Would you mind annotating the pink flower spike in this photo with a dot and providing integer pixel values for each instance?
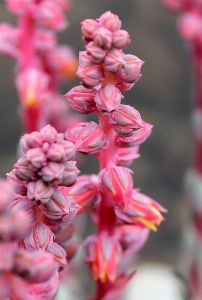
(137, 138)
(88, 27)
(120, 39)
(117, 184)
(110, 21)
(102, 37)
(50, 14)
(81, 99)
(126, 155)
(108, 98)
(190, 25)
(125, 120)
(40, 238)
(91, 139)
(44, 39)
(114, 60)
(39, 191)
(6, 194)
(102, 256)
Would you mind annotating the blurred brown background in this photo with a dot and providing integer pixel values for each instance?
(162, 96)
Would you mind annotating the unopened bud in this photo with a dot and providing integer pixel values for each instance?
(36, 157)
(52, 173)
(114, 60)
(131, 70)
(108, 98)
(120, 39)
(70, 173)
(39, 191)
(96, 53)
(110, 21)
(88, 26)
(102, 37)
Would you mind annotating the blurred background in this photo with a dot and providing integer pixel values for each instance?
(163, 97)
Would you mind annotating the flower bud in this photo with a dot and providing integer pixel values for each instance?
(125, 156)
(52, 173)
(130, 72)
(72, 132)
(19, 186)
(81, 99)
(138, 136)
(143, 211)
(102, 256)
(56, 152)
(102, 37)
(108, 98)
(44, 39)
(60, 208)
(120, 39)
(24, 170)
(126, 120)
(110, 21)
(49, 134)
(96, 53)
(88, 26)
(22, 203)
(117, 184)
(59, 255)
(85, 192)
(39, 191)
(90, 139)
(36, 157)
(91, 75)
(32, 140)
(132, 237)
(70, 174)
(114, 60)
(40, 238)
(9, 37)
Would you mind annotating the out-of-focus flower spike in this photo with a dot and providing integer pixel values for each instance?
(190, 25)
(175, 5)
(117, 184)
(44, 39)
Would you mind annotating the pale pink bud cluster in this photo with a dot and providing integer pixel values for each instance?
(47, 163)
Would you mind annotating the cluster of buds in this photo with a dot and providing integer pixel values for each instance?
(33, 272)
(41, 62)
(122, 215)
(37, 179)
